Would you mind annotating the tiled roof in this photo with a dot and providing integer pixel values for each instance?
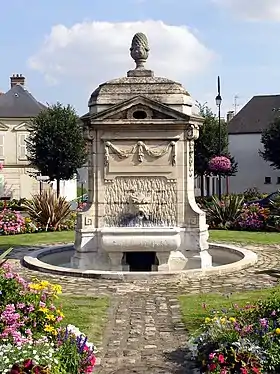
(256, 115)
(19, 103)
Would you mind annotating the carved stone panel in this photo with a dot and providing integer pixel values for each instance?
(158, 199)
(140, 156)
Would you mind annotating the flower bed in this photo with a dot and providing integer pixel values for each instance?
(240, 340)
(33, 337)
(12, 222)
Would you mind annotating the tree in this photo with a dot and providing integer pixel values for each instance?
(207, 145)
(270, 140)
(56, 146)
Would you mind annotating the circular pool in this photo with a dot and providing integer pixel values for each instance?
(57, 260)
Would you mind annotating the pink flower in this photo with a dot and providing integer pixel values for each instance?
(219, 164)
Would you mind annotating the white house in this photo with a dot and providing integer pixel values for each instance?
(17, 106)
(245, 130)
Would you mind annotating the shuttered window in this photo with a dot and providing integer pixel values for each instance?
(2, 146)
(22, 146)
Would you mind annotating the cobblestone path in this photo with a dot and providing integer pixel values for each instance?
(144, 333)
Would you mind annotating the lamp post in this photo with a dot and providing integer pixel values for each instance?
(41, 179)
(219, 103)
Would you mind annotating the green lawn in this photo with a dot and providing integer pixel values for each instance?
(89, 314)
(193, 312)
(68, 237)
(245, 237)
(35, 239)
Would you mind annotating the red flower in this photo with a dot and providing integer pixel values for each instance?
(244, 371)
(212, 367)
(28, 364)
(221, 359)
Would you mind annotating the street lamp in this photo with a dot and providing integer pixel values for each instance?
(41, 179)
(219, 103)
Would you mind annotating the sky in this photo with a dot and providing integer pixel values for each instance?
(66, 48)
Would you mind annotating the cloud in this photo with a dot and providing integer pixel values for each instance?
(253, 10)
(93, 52)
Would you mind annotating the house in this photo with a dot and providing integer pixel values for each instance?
(244, 130)
(17, 179)
(17, 106)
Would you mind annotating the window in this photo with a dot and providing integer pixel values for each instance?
(267, 180)
(1, 146)
(140, 114)
(278, 180)
(22, 146)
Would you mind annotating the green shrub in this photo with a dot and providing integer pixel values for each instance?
(48, 210)
(224, 213)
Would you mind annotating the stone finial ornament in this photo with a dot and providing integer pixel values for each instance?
(139, 49)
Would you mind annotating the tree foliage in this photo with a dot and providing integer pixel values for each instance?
(270, 140)
(207, 145)
(56, 146)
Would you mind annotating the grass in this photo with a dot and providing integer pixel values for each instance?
(245, 237)
(193, 313)
(35, 239)
(228, 236)
(89, 314)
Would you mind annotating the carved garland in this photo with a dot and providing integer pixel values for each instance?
(140, 148)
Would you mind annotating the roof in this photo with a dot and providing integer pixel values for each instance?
(256, 115)
(19, 103)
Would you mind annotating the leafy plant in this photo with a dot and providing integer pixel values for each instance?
(207, 145)
(252, 194)
(56, 146)
(48, 210)
(270, 140)
(3, 256)
(225, 212)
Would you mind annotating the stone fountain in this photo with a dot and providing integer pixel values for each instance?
(142, 214)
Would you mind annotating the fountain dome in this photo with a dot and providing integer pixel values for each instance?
(140, 82)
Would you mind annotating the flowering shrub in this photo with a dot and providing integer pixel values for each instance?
(240, 340)
(253, 217)
(220, 164)
(32, 336)
(11, 222)
(224, 213)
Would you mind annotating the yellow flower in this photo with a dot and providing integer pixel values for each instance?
(50, 317)
(57, 288)
(207, 320)
(223, 320)
(44, 284)
(43, 309)
(34, 286)
(277, 331)
(49, 328)
(232, 319)
(59, 312)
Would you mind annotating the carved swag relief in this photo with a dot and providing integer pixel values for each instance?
(140, 149)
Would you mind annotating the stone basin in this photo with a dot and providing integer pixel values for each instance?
(138, 239)
(119, 240)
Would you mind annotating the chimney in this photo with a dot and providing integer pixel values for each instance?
(17, 79)
(230, 116)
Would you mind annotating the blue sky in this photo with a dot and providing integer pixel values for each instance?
(196, 41)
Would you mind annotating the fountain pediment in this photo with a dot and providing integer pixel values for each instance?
(140, 108)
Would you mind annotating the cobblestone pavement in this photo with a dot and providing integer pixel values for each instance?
(144, 333)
